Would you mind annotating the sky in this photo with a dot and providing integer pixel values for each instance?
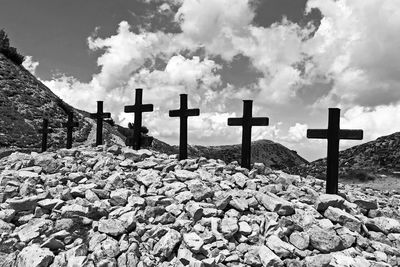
(293, 58)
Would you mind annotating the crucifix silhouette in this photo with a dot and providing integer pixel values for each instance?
(333, 134)
(99, 116)
(138, 109)
(70, 128)
(45, 131)
(183, 113)
(247, 121)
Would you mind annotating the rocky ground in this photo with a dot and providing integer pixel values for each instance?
(108, 206)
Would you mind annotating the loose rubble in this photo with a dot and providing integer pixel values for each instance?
(108, 206)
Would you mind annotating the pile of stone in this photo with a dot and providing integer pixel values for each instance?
(108, 206)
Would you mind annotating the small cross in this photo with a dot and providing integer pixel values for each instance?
(334, 134)
(44, 131)
(70, 127)
(184, 113)
(247, 122)
(138, 109)
(99, 116)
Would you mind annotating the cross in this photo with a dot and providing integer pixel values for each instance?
(183, 113)
(99, 116)
(334, 134)
(70, 127)
(138, 109)
(247, 121)
(44, 131)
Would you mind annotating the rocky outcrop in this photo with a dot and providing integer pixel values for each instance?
(111, 206)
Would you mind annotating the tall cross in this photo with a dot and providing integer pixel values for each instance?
(44, 131)
(70, 127)
(184, 113)
(138, 109)
(334, 134)
(99, 116)
(247, 121)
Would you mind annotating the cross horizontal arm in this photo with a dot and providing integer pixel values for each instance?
(184, 113)
(235, 121)
(317, 134)
(101, 115)
(142, 108)
(351, 134)
(260, 121)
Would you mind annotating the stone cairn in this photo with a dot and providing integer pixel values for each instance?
(113, 206)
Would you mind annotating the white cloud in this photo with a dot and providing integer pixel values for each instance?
(377, 121)
(356, 47)
(30, 64)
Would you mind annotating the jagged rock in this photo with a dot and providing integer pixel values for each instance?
(322, 260)
(325, 240)
(339, 216)
(112, 227)
(268, 258)
(384, 225)
(34, 256)
(7, 215)
(167, 243)
(279, 247)
(193, 242)
(300, 240)
(33, 229)
(229, 226)
(327, 200)
(274, 203)
(184, 175)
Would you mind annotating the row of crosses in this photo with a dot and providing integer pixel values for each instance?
(333, 134)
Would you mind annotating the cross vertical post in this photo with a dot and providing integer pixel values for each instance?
(138, 109)
(247, 122)
(45, 131)
(333, 134)
(70, 127)
(99, 116)
(183, 113)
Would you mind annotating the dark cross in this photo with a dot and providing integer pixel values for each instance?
(247, 122)
(99, 116)
(138, 109)
(334, 134)
(70, 127)
(44, 131)
(184, 113)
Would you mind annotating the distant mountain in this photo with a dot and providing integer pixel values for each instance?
(24, 101)
(270, 153)
(381, 156)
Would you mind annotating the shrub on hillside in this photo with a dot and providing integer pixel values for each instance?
(9, 51)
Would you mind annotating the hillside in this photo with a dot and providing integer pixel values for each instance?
(272, 154)
(24, 101)
(113, 206)
(381, 156)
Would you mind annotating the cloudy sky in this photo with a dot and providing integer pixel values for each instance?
(294, 58)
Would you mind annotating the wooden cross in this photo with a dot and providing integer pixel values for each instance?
(247, 121)
(70, 127)
(184, 113)
(44, 131)
(334, 134)
(138, 109)
(99, 116)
